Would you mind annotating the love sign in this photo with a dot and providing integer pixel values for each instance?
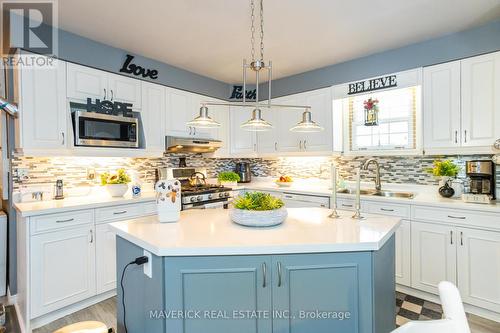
(130, 68)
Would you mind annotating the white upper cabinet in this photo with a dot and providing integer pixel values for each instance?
(43, 117)
(85, 82)
(125, 89)
(321, 109)
(153, 116)
(481, 100)
(289, 141)
(242, 142)
(267, 141)
(182, 107)
(442, 105)
(220, 114)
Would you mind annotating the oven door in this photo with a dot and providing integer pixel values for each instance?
(103, 130)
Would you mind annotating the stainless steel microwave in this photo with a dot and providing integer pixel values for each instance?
(94, 129)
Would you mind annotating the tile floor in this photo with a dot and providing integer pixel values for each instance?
(407, 308)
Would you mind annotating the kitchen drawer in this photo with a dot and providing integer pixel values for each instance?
(457, 217)
(300, 200)
(346, 204)
(120, 212)
(42, 223)
(387, 209)
(149, 208)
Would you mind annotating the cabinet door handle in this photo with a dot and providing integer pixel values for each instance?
(264, 274)
(105, 94)
(254, 147)
(63, 140)
(345, 205)
(300, 145)
(457, 217)
(119, 213)
(112, 95)
(456, 136)
(451, 237)
(386, 209)
(465, 136)
(190, 130)
(194, 130)
(276, 146)
(279, 274)
(91, 236)
(461, 238)
(65, 221)
(305, 147)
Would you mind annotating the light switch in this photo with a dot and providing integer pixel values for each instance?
(148, 267)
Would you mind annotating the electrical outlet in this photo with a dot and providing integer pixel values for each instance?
(23, 174)
(148, 267)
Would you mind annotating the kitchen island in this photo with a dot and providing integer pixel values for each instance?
(207, 274)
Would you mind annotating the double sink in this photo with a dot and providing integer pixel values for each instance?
(379, 193)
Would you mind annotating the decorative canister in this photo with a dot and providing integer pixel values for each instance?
(168, 200)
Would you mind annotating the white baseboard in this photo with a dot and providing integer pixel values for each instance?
(52, 316)
(491, 315)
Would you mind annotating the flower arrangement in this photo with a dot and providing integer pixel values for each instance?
(371, 112)
(444, 168)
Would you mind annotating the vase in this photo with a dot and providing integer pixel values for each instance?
(258, 218)
(443, 180)
(117, 190)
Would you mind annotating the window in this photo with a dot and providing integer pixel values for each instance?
(396, 127)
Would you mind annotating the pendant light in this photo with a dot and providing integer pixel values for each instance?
(257, 65)
(307, 125)
(203, 120)
(256, 123)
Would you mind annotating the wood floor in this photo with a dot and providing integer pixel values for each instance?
(106, 312)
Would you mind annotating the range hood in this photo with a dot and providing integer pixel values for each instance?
(191, 145)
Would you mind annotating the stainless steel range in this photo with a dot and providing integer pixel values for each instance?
(196, 193)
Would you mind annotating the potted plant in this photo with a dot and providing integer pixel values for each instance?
(117, 183)
(228, 178)
(444, 170)
(257, 209)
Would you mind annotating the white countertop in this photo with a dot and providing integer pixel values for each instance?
(211, 232)
(97, 200)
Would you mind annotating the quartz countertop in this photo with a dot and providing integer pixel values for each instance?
(32, 208)
(211, 232)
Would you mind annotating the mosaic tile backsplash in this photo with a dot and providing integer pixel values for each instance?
(73, 170)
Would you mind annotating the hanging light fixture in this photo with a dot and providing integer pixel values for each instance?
(203, 120)
(257, 123)
(306, 125)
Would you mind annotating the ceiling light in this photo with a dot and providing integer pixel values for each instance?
(203, 120)
(256, 124)
(307, 125)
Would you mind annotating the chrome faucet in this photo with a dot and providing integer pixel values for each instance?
(378, 185)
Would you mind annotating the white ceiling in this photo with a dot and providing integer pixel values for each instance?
(211, 37)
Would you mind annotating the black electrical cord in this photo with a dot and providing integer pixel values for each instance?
(138, 261)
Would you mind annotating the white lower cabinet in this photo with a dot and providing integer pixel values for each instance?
(403, 253)
(63, 268)
(478, 267)
(105, 258)
(433, 255)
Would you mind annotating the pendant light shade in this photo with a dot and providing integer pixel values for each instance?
(203, 120)
(256, 124)
(307, 125)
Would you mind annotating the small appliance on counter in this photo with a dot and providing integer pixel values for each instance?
(243, 170)
(482, 181)
(59, 190)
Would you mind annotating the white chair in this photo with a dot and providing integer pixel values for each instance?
(454, 320)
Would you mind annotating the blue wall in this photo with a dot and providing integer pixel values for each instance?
(455, 46)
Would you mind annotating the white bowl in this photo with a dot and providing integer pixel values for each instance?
(283, 184)
(258, 218)
(117, 190)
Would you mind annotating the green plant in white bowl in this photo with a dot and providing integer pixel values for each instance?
(228, 178)
(117, 183)
(257, 209)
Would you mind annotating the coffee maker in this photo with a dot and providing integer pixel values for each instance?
(243, 170)
(482, 177)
